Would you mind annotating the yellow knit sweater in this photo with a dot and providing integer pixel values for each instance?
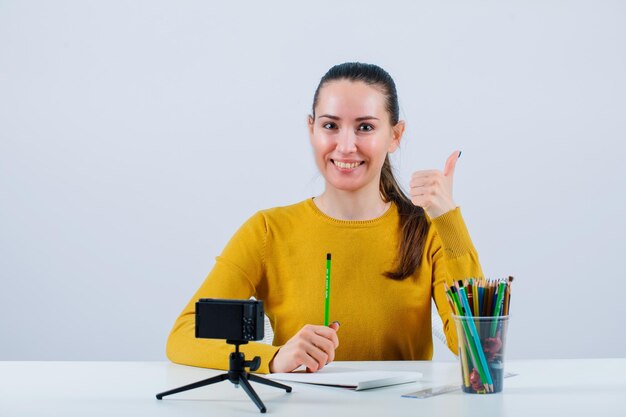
(279, 256)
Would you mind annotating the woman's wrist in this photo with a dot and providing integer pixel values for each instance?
(434, 213)
(271, 364)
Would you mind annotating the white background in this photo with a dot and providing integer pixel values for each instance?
(137, 136)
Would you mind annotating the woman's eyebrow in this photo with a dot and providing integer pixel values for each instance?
(358, 119)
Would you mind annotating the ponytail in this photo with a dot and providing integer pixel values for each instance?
(413, 225)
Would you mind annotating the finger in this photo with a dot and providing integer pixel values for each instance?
(302, 354)
(329, 333)
(422, 183)
(425, 173)
(422, 201)
(291, 356)
(325, 345)
(319, 355)
(309, 362)
(426, 190)
(328, 344)
(451, 163)
(419, 181)
(317, 341)
(335, 339)
(432, 179)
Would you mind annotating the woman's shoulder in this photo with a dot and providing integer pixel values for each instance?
(295, 210)
(274, 218)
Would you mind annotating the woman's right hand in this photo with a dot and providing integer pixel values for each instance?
(313, 346)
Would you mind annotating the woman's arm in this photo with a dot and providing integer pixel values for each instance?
(453, 254)
(454, 258)
(236, 274)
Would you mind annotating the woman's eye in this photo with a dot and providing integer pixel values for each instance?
(329, 125)
(366, 127)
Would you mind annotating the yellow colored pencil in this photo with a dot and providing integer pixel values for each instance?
(464, 360)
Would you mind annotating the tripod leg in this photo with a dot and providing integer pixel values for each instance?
(198, 384)
(251, 393)
(269, 382)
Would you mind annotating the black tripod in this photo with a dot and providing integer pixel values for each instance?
(237, 374)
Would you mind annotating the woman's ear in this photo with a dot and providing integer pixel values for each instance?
(310, 121)
(397, 132)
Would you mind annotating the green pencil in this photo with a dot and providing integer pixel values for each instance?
(327, 304)
(498, 307)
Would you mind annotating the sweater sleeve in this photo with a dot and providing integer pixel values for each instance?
(236, 275)
(454, 258)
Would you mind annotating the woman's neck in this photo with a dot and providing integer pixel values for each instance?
(348, 205)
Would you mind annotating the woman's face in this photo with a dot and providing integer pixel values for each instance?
(352, 134)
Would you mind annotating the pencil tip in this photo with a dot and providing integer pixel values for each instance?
(328, 256)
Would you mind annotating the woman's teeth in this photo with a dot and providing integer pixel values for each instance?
(345, 165)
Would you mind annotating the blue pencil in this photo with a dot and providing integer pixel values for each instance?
(474, 333)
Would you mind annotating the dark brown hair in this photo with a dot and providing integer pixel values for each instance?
(413, 222)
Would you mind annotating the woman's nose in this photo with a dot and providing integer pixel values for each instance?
(346, 141)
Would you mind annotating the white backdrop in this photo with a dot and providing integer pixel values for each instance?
(136, 136)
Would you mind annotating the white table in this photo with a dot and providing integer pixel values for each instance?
(587, 387)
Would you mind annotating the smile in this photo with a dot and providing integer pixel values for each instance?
(347, 165)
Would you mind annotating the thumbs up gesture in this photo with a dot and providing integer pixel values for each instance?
(432, 189)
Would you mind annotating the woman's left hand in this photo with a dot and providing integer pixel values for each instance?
(432, 189)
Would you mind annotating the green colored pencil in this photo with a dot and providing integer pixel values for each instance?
(327, 297)
(498, 307)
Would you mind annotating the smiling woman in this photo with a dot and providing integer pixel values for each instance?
(392, 253)
(352, 135)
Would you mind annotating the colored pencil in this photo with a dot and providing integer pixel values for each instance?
(498, 307)
(327, 293)
(477, 345)
(475, 298)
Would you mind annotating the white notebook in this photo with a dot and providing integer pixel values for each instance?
(335, 376)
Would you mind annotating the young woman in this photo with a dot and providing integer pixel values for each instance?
(391, 254)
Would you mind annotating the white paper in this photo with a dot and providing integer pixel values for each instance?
(349, 378)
